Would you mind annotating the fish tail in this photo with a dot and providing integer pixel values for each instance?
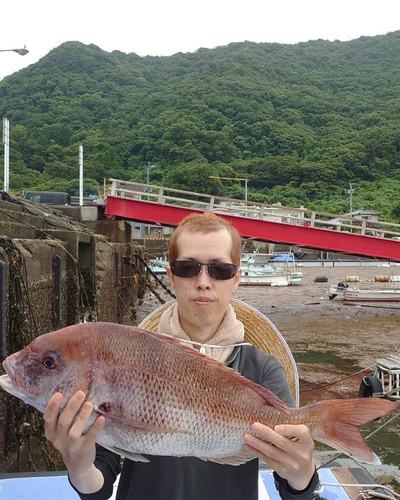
(336, 424)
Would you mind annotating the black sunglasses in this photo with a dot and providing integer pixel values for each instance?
(190, 269)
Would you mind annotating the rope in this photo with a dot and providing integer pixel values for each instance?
(114, 283)
(367, 492)
(154, 275)
(152, 289)
(322, 386)
(48, 215)
(22, 327)
(203, 346)
(376, 494)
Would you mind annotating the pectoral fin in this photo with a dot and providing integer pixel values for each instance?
(135, 457)
(236, 460)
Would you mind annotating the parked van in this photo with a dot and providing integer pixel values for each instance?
(46, 197)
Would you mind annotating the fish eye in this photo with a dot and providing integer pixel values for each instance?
(49, 363)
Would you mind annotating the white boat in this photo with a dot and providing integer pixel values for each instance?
(269, 269)
(360, 295)
(357, 295)
(158, 266)
(157, 269)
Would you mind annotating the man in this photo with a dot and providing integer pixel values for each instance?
(204, 256)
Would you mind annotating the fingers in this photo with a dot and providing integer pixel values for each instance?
(283, 436)
(81, 421)
(65, 429)
(294, 432)
(266, 442)
(262, 448)
(96, 429)
(51, 414)
(67, 416)
(76, 430)
(288, 449)
(283, 443)
(296, 439)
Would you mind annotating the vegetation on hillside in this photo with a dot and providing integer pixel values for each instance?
(298, 121)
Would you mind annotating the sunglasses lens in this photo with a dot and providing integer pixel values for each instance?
(185, 269)
(189, 269)
(222, 271)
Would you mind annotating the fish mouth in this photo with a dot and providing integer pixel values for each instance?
(9, 381)
(7, 384)
(5, 381)
(10, 371)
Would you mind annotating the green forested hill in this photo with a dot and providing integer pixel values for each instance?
(299, 121)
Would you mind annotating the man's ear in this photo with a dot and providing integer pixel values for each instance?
(236, 280)
(170, 277)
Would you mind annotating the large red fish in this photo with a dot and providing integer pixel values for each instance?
(163, 398)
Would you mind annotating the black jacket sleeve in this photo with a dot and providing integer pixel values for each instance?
(286, 492)
(109, 465)
(275, 380)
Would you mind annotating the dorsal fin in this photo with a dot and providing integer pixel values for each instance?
(268, 396)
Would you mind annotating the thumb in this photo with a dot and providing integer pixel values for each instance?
(291, 431)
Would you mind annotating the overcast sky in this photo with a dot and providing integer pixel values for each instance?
(164, 27)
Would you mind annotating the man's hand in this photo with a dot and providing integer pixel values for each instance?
(288, 449)
(78, 451)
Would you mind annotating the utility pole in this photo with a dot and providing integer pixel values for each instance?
(143, 226)
(351, 191)
(6, 140)
(149, 167)
(80, 175)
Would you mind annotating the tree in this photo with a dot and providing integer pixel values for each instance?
(194, 177)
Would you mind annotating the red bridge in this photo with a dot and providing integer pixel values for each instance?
(273, 223)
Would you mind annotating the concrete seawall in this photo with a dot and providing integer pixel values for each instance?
(56, 271)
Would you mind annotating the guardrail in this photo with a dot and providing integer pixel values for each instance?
(262, 211)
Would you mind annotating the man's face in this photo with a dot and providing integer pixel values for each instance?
(202, 300)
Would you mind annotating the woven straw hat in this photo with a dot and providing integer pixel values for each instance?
(258, 331)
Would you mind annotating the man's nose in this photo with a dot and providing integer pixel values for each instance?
(203, 278)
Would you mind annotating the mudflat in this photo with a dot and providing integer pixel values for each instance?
(330, 340)
(334, 345)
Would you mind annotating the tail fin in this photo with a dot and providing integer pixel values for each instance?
(336, 423)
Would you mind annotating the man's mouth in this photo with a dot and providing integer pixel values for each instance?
(202, 301)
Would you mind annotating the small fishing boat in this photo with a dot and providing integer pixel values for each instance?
(269, 269)
(384, 381)
(358, 295)
(364, 295)
(158, 266)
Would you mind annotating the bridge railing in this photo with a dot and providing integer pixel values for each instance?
(254, 210)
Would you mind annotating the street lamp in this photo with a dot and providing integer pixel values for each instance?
(21, 52)
(149, 167)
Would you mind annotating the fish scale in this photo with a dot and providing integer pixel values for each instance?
(163, 398)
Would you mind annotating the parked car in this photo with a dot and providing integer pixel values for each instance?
(47, 197)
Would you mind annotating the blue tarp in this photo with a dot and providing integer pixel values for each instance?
(283, 257)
